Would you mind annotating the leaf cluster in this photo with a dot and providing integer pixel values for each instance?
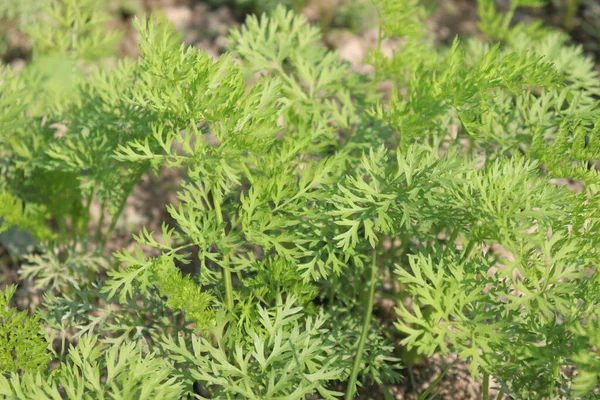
(303, 198)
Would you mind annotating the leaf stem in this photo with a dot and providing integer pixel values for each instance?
(468, 250)
(226, 271)
(365, 330)
(453, 236)
(332, 289)
(485, 395)
(113, 223)
(228, 283)
(569, 14)
(508, 17)
(500, 395)
(98, 236)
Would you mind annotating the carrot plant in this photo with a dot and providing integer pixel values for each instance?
(305, 196)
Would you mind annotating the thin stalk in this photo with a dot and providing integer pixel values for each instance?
(380, 32)
(113, 223)
(98, 235)
(228, 283)
(247, 172)
(500, 395)
(413, 384)
(457, 138)
(508, 17)
(88, 208)
(453, 236)
(570, 12)
(365, 330)
(485, 391)
(468, 250)
(63, 231)
(63, 345)
(226, 271)
(332, 289)
(391, 264)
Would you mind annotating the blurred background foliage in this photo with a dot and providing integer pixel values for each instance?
(579, 18)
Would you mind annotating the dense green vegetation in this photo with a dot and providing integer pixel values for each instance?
(304, 197)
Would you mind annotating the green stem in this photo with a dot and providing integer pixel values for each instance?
(332, 290)
(228, 283)
(453, 236)
(468, 250)
(413, 384)
(98, 235)
(392, 266)
(247, 172)
(226, 271)
(63, 345)
(486, 386)
(380, 32)
(508, 17)
(500, 395)
(113, 223)
(365, 330)
(62, 228)
(88, 207)
(570, 12)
